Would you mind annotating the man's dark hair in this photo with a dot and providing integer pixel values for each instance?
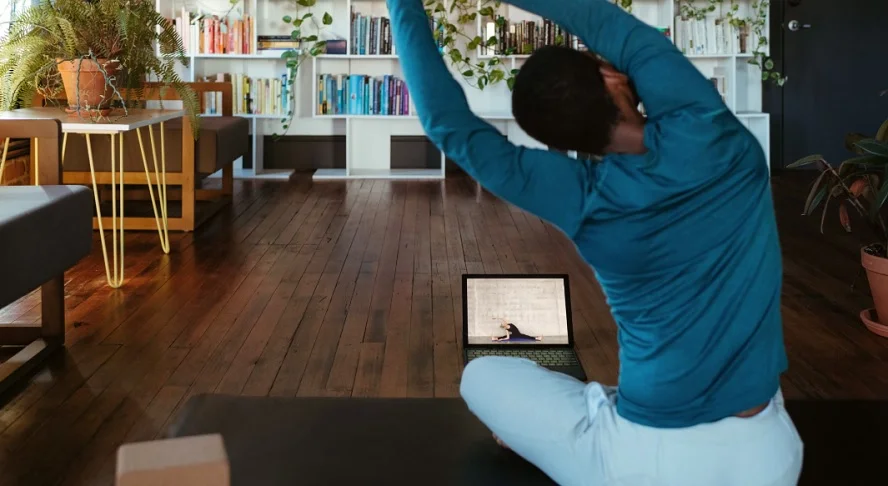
(560, 99)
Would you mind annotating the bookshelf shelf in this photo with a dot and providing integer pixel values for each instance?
(358, 57)
(272, 57)
(368, 137)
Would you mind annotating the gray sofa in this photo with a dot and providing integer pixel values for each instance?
(44, 231)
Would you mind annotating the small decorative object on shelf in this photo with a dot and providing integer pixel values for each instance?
(370, 36)
(78, 48)
(358, 94)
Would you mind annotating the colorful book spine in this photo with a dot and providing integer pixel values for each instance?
(370, 36)
(357, 94)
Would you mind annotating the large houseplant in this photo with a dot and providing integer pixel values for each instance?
(98, 52)
(859, 186)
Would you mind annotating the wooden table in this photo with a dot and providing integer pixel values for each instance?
(115, 126)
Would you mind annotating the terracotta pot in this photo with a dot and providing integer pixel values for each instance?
(877, 275)
(868, 317)
(85, 85)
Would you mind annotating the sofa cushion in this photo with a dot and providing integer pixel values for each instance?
(44, 231)
(222, 141)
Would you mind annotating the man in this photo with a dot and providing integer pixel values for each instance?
(676, 219)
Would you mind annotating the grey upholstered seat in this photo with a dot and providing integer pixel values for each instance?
(44, 230)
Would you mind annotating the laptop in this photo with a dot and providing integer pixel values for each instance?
(526, 316)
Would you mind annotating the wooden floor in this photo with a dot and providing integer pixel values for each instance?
(353, 289)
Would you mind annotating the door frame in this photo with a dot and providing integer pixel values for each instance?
(772, 96)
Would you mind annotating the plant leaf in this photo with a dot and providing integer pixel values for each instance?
(876, 206)
(844, 219)
(328, 19)
(818, 197)
(811, 159)
(813, 194)
(287, 19)
(873, 146)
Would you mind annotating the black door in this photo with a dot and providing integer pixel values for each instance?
(834, 54)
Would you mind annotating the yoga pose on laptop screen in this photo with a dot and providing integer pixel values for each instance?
(676, 219)
(513, 334)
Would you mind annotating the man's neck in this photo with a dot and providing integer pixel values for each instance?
(628, 138)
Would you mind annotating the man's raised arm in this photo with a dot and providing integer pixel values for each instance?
(665, 79)
(548, 184)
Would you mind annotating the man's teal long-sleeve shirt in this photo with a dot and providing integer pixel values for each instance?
(683, 239)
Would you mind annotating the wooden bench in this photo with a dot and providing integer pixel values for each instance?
(44, 231)
(309, 441)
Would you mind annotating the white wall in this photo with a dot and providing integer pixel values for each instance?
(535, 305)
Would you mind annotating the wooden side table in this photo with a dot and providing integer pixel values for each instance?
(115, 129)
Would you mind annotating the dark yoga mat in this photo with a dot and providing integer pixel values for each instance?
(332, 441)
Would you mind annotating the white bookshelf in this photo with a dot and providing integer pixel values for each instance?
(368, 137)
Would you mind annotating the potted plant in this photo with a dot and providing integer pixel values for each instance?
(859, 186)
(98, 52)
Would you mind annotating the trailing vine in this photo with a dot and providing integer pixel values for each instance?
(306, 31)
(450, 27)
(756, 23)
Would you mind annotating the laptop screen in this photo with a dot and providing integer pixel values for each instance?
(523, 310)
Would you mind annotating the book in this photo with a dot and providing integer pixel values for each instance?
(251, 96)
(525, 37)
(709, 36)
(370, 35)
(360, 94)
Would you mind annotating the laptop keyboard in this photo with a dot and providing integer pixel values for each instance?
(543, 357)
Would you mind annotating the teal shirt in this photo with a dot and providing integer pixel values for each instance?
(683, 239)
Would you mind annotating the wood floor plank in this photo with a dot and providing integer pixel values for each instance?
(384, 269)
(421, 345)
(355, 289)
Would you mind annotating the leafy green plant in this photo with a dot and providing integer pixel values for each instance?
(306, 30)
(125, 31)
(453, 18)
(859, 184)
(756, 24)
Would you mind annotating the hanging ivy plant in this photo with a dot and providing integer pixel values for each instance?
(306, 31)
(756, 23)
(625, 4)
(450, 26)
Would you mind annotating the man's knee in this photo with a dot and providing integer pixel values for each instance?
(481, 376)
(476, 374)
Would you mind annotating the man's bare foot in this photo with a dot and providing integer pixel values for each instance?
(500, 442)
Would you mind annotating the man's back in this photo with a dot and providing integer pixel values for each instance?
(684, 243)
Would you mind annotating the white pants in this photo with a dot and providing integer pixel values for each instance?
(572, 432)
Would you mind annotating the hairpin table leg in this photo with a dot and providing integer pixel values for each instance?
(115, 280)
(160, 218)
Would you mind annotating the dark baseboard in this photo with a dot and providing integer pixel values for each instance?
(309, 152)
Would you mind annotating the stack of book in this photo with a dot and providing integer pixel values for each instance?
(359, 94)
(370, 36)
(203, 34)
(709, 36)
(277, 43)
(525, 37)
(252, 96)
